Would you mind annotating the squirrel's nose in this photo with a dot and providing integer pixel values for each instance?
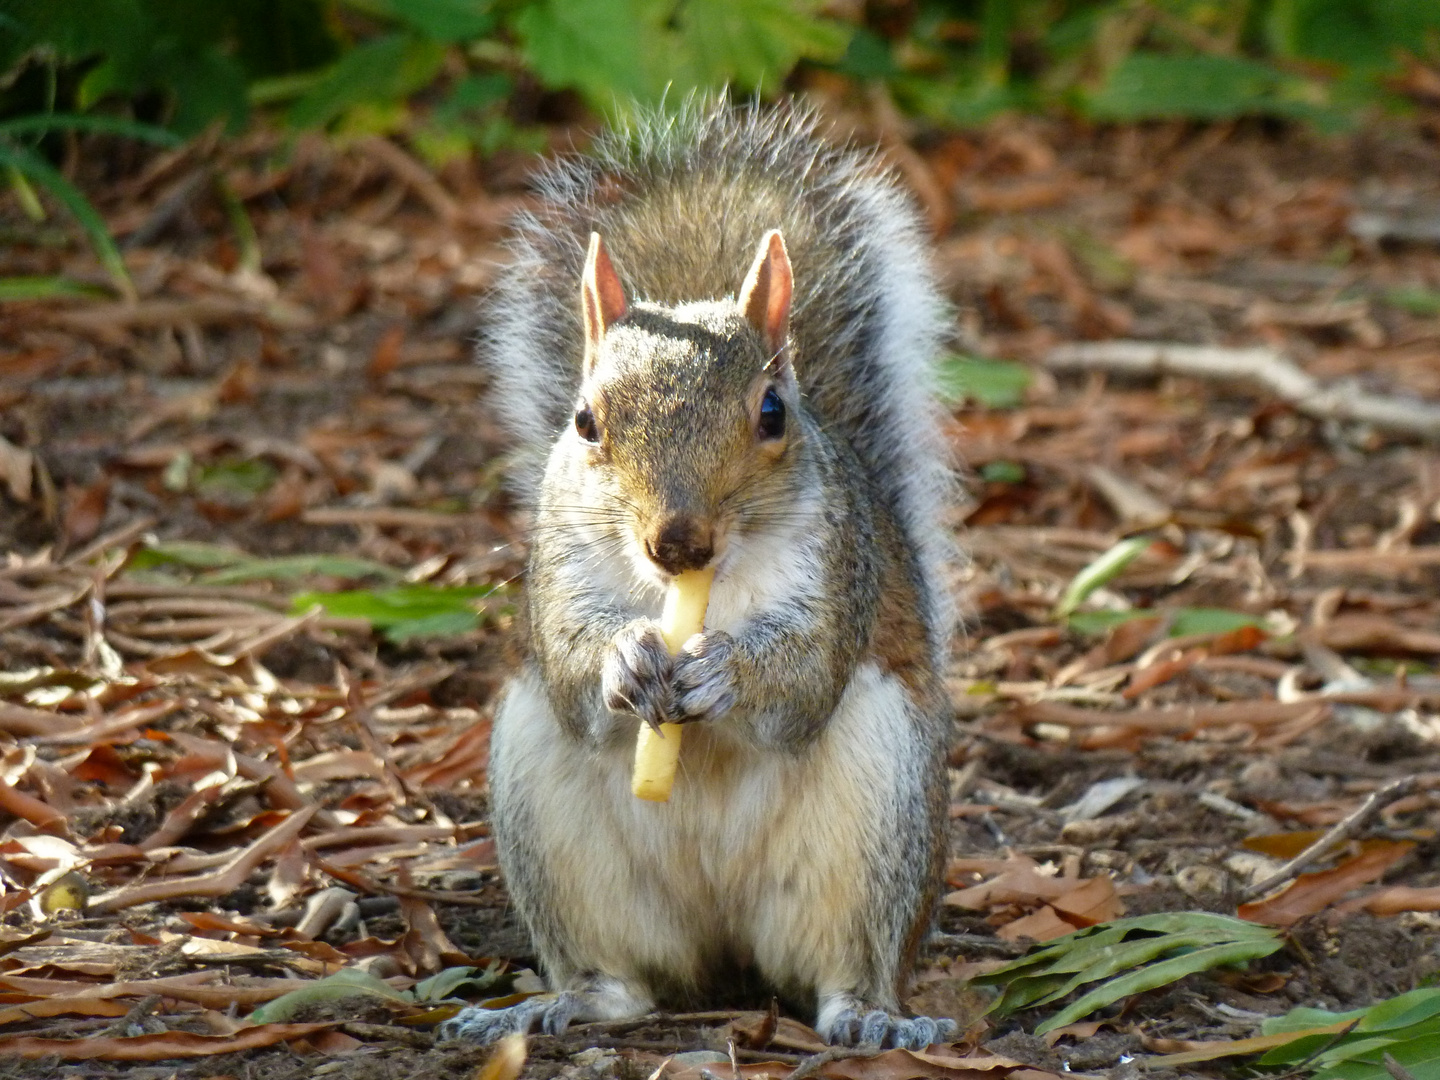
(679, 543)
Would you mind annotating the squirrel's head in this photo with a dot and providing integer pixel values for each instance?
(689, 416)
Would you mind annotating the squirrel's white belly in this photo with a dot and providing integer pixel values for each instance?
(753, 857)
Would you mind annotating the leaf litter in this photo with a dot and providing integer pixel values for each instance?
(259, 580)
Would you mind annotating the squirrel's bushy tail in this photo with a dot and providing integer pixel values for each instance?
(681, 201)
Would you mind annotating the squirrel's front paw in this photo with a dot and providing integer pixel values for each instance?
(636, 675)
(704, 677)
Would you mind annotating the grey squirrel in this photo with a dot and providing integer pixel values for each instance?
(683, 400)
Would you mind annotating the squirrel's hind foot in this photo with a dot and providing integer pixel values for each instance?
(854, 1025)
(551, 1013)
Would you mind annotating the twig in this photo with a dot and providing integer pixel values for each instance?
(412, 174)
(226, 879)
(1176, 718)
(202, 311)
(815, 1062)
(1263, 367)
(1337, 834)
(1395, 1069)
(416, 1040)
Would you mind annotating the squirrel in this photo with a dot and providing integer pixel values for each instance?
(715, 345)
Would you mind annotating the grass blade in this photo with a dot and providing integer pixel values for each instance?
(44, 123)
(47, 288)
(47, 176)
(1103, 570)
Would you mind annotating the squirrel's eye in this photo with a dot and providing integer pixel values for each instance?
(585, 424)
(772, 415)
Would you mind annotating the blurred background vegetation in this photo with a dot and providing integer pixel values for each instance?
(457, 77)
(462, 74)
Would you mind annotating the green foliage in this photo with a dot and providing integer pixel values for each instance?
(198, 58)
(357, 64)
(1128, 956)
(1407, 1028)
(1003, 472)
(1183, 621)
(644, 49)
(1145, 86)
(352, 984)
(995, 384)
(45, 288)
(1317, 60)
(219, 565)
(1101, 571)
(25, 165)
(1416, 299)
(405, 611)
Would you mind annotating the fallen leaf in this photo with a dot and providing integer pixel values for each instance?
(1310, 893)
(160, 1046)
(1042, 925)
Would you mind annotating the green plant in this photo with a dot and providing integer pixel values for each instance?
(25, 164)
(405, 611)
(1125, 957)
(1404, 1028)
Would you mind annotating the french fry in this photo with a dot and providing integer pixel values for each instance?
(657, 754)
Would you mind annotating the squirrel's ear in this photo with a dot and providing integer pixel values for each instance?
(602, 297)
(765, 296)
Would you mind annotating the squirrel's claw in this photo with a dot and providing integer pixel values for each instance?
(636, 674)
(703, 680)
(879, 1028)
(551, 1012)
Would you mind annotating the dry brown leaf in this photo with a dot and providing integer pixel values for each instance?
(1284, 845)
(1041, 925)
(1398, 898)
(158, 1047)
(1310, 893)
(17, 470)
(1092, 900)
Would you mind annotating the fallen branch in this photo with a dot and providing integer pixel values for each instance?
(1176, 718)
(226, 879)
(1335, 835)
(1258, 367)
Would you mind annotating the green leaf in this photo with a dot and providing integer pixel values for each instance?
(595, 46)
(192, 553)
(100, 125)
(996, 384)
(1179, 943)
(1402, 1011)
(1210, 621)
(406, 611)
(1420, 1057)
(868, 56)
(443, 20)
(753, 44)
(344, 984)
(43, 173)
(288, 567)
(1416, 299)
(1002, 472)
(242, 478)
(1095, 623)
(1146, 86)
(384, 70)
(1358, 33)
(47, 288)
(452, 981)
(1160, 974)
(1100, 572)
(229, 566)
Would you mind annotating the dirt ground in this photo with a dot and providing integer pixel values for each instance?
(309, 391)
